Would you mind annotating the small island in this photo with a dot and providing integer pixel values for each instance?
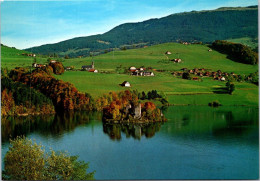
(126, 107)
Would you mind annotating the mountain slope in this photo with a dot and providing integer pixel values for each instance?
(205, 26)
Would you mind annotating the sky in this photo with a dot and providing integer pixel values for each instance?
(31, 23)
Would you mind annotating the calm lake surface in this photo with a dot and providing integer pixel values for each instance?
(195, 143)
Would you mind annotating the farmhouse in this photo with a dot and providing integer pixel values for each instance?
(141, 72)
(186, 43)
(93, 70)
(35, 65)
(177, 60)
(222, 79)
(88, 67)
(148, 74)
(40, 65)
(68, 68)
(132, 69)
(126, 84)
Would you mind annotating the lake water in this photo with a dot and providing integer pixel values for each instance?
(195, 143)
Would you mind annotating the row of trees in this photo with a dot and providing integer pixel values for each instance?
(63, 94)
(17, 98)
(236, 51)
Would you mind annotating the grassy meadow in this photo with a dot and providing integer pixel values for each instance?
(11, 58)
(178, 91)
(193, 56)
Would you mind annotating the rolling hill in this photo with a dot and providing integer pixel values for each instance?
(179, 91)
(195, 26)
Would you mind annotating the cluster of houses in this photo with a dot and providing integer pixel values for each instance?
(29, 54)
(185, 43)
(218, 75)
(140, 72)
(89, 68)
(37, 65)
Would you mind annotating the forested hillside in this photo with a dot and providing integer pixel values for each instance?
(202, 26)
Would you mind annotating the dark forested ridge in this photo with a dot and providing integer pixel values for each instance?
(195, 26)
(236, 51)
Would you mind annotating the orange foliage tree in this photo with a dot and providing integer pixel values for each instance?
(124, 106)
(7, 102)
(63, 94)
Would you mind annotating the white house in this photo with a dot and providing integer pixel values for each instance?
(126, 84)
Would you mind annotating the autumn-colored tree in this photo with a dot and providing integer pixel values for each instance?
(7, 102)
(48, 69)
(149, 106)
(58, 68)
(63, 94)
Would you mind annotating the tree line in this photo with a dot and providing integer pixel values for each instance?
(63, 94)
(17, 98)
(236, 51)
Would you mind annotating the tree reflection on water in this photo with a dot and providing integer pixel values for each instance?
(45, 125)
(113, 130)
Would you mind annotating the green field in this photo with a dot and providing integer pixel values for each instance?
(11, 58)
(192, 56)
(178, 91)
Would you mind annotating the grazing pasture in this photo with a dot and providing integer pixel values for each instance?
(112, 69)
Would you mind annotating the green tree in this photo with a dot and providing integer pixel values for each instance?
(186, 75)
(230, 87)
(26, 160)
